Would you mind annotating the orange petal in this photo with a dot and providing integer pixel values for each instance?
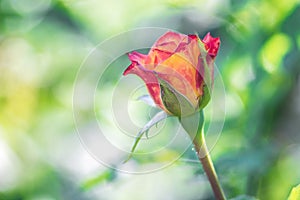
(190, 49)
(181, 75)
(164, 47)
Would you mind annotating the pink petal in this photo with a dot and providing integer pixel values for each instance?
(211, 44)
(137, 57)
(164, 47)
(189, 50)
(150, 80)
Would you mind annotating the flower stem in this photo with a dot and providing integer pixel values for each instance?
(205, 159)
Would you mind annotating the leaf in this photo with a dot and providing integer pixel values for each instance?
(147, 99)
(295, 193)
(244, 197)
(107, 175)
(156, 119)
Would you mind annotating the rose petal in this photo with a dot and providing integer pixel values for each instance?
(169, 42)
(211, 44)
(137, 57)
(181, 75)
(176, 58)
(150, 80)
(164, 47)
(190, 50)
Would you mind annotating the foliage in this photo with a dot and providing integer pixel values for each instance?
(295, 193)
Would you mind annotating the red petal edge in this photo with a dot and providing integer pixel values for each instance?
(150, 80)
(211, 45)
(193, 37)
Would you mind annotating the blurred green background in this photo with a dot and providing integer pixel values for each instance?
(44, 42)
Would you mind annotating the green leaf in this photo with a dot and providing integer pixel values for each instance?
(244, 197)
(295, 193)
(156, 119)
(107, 175)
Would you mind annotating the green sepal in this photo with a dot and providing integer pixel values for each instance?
(207, 86)
(175, 102)
(203, 57)
(205, 97)
(193, 125)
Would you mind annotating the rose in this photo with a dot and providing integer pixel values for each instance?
(178, 71)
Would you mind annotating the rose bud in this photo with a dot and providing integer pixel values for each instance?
(178, 71)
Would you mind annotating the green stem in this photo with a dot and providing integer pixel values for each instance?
(205, 159)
